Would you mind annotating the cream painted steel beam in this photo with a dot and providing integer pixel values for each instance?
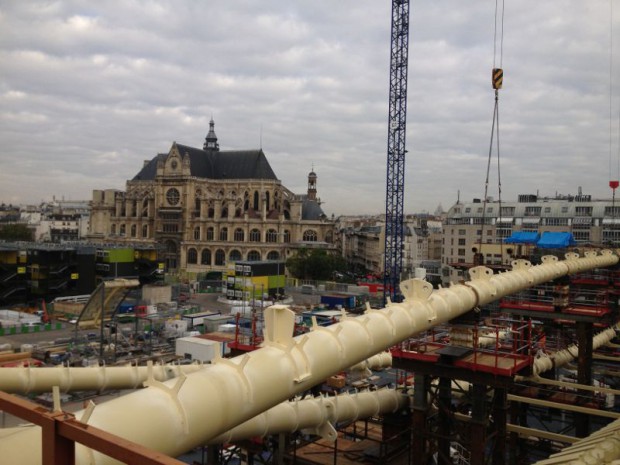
(27, 380)
(317, 415)
(178, 415)
(559, 406)
(529, 432)
(567, 384)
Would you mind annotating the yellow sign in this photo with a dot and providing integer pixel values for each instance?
(160, 266)
(21, 270)
(75, 275)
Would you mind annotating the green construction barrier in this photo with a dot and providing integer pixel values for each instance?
(37, 329)
(58, 325)
(24, 329)
(1, 331)
(48, 327)
(13, 330)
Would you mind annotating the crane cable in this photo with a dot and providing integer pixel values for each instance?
(613, 184)
(497, 77)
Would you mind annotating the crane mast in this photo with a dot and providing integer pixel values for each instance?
(397, 125)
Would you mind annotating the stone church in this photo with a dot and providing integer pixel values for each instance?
(205, 208)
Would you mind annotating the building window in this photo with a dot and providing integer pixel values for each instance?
(507, 211)
(310, 236)
(461, 252)
(287, 236)
(557, 221)
(564, 209)
(197, 205)
(612, 211)
(224, 234)
(234, 256)
(205, 257)
(211, 213)
(273, 255)
(462, 241)
(583, 211)
(611, 235)
(145, 230)
(220, 257)
(192, 256)
(134, 230)
(272, 235)
(224, 214)
(122, 230)
(462, 232)
(254, 235)
(113, 229)
(197, 233)
(171, 228)
(239, 235)
(253, 256)
(210, 233)
(581, 236)
(532, 211)
(145, 208)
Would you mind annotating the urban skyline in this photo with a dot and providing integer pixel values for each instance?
(94, 90)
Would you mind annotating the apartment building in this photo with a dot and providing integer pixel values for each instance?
(480, 227)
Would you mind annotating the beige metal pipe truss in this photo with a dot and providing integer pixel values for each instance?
(316, 415)
(178, 415)
(27, 380)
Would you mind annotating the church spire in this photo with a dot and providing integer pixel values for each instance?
(312, 184)
(211, 139)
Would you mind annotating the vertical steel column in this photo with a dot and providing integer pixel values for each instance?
(56, 449)
(445, 421)
(584, 374)
(500, 408)
(419, 416)
(478, 424)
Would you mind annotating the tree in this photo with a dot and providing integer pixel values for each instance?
(315, 264)
(15, 232)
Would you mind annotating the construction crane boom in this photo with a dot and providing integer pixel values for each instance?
(397, 125)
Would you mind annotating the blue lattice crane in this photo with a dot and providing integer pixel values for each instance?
(397, 125)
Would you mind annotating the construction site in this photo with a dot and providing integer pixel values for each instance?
(514, 367)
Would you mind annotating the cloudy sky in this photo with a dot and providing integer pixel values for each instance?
(89, 90)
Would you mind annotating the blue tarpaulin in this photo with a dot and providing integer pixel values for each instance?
(556, 240)
(523, 237)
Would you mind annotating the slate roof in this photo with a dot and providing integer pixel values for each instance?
(311, 210)
(229, 164)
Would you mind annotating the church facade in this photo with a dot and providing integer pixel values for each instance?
(207, 208)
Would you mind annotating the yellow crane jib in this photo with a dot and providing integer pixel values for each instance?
(497, 78)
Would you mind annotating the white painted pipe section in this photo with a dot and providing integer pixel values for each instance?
(376, 362)
(546, 362)
(485, 338)
(26, 380)
(317, 415)
(178, 415)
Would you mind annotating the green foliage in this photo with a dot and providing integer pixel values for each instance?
(15, 232)
(315, 264)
